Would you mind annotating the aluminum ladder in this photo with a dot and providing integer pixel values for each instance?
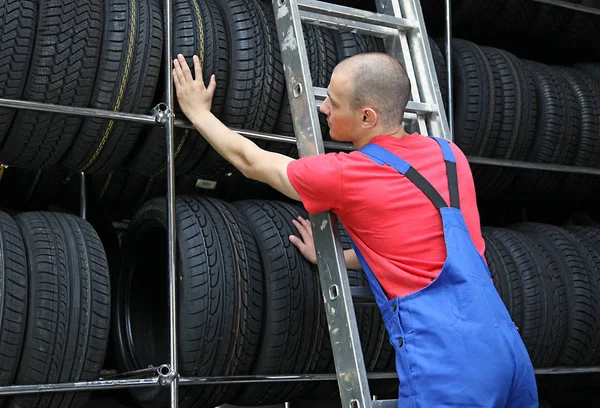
(401, 25)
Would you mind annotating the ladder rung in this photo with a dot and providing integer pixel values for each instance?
(418, 108)
(340, 23)
(342, 16)
(391, 403)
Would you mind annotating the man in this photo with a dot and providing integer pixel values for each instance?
(415, 229)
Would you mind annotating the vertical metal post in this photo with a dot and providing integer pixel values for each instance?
(345, 341)
(169, 130)
(449, 68)
(82, 196)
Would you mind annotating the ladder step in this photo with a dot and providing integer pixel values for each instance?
(418, 108)
(392, 403)
(365, 22)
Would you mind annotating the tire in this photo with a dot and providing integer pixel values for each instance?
(349, 44)
(514, 111)
(441, 71)
(587, 94)
(292, 333)
(13, 302)
(475, 96)
(126, 81)
(557, 128)
(22, 189)
(590, 237)
(17, 22)
(120, 193)
(219, 304)
(544, 314)
(68, 315)
(591, 69)
(504, 275)
(581, 292)
(62, 71)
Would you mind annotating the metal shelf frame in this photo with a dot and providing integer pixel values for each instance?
(167, 375)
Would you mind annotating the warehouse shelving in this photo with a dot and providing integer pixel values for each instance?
(167, 375)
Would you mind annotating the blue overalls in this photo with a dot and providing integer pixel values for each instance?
(455, 343)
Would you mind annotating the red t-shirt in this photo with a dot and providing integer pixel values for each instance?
(394, 225)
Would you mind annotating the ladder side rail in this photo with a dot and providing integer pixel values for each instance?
(343, 330)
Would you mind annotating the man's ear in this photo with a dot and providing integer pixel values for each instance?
(369, 118)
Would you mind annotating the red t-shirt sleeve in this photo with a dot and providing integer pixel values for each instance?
(318, 181)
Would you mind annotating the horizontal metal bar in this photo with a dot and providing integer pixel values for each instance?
(419, 108)
(249, 379)
(534, 166)
(72, 110)
(384, 404)
(78, 386)
(349, 14)
(162, 369)
(567, 370)
(338, 23)
(572, 6)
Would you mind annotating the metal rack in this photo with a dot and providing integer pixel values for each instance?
(167, 375)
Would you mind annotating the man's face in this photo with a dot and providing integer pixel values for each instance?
(344, 122)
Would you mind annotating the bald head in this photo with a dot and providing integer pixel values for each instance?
(379, 81)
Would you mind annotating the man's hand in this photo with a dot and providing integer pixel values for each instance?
(306, 245)
(192, 95)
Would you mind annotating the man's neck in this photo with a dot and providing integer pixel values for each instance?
(363, 141)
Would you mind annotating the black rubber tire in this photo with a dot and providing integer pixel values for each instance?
(245, 72)
(474, 95)
(581, 292)
(592, 69)
(17, 30)
(128, 72)
(557, 128)
(544, 322)
(118, 194)
(587, 94)
(62, 71)
(68, 315)
(514, 111)
(13, 302)
(591, 237)
(29, 190)
(219, 303)
(349, 44)
(504, 275)
(292, 333)
(151, 157)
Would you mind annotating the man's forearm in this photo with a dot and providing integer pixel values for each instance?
(351, 259)
(234, 147)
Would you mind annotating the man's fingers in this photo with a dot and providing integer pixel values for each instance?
(197, 69)
(297, 242)
(178, 71)
(306, 224)
(185, 68)
(175, 78)
(305, 232)
(212, 85)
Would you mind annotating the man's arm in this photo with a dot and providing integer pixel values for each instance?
(195, 101)
(306, 245)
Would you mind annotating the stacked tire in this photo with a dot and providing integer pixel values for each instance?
(507, 108)
(549, 279)
(55, 305)
(249, 303)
